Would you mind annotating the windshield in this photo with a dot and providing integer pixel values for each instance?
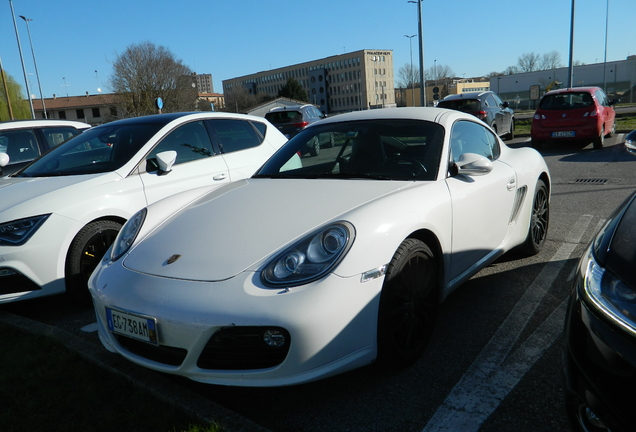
(278, 117)
(566, 101)
(98, 150)
(377, 149)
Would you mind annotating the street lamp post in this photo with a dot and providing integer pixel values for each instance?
(411, 71)
(26, 80)
(421, 38)
(37, 75)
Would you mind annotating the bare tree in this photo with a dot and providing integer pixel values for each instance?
(529, 62)
(439, 72)
(145, 72)
(239, 99)
(408, 76)
(551, 60)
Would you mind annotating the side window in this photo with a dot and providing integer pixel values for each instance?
(21, 145)
(261, 128)
(601, 98)
(57, 135)
(234, 135)
(491, 102)
(191, 142)
(471, 137)
(497, 100)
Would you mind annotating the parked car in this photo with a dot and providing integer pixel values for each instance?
(292, 119)
(579, 113)
(24, 140)
(600, 329)
(630, 142)
(486, 106)
(59, 214)
(315, 266)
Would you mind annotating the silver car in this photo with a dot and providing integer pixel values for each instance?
(486, 106)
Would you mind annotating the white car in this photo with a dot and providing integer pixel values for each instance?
(59, 215)
(21, 141)
(318, 265)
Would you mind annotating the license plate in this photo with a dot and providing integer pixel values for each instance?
(135, 326)
(563, 134)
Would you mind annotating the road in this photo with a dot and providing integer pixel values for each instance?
(494, 362)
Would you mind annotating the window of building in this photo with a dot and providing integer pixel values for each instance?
(61, 115)
(80, 113)
(96, 112)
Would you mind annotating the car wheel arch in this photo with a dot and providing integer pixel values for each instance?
(430, 239)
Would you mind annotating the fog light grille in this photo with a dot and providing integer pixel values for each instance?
(241, 348)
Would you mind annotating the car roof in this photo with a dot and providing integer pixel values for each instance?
(30, 123)
(289, 107)
(573, 90)
(403, 113)
(467, 95)
(167, 118)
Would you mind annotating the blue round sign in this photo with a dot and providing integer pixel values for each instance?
(159, 103)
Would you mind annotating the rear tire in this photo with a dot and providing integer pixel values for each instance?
(612, 131)
(314, 150)
(539, 221)
(408, 304)
(599, 140)
(86, 251)
(511, 135)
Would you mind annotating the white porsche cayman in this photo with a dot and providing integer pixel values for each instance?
(318, 265)
(59, 215)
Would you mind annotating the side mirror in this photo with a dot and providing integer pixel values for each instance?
(613, 102)
(4, 161)
(472, 164)
(165, 160)
(506, 104)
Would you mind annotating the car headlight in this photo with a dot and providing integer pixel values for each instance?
(18, 232)
(127, 235)
(608, 293)
(310, 258)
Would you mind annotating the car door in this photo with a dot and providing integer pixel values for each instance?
(482, 204)
(242, 144)
(197, 164)
(502, 117)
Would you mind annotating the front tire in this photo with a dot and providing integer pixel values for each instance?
(408, 304)
(314, 149)
(87, 249)
(539, 220)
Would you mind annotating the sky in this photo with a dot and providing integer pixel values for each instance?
(76, 41)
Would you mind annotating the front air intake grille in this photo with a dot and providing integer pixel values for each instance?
(162, 354)
(242, 348)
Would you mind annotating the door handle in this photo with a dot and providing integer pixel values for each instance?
(219, 177)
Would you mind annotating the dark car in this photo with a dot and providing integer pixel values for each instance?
(599, 358)
(487, 106)
(574, 114)
(24, 140)
(292, 119)
(630, 142)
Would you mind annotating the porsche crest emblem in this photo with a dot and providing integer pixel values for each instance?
(173, 258)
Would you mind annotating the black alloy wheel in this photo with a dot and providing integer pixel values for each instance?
(87, 249)
(539, 220)
(408, 304)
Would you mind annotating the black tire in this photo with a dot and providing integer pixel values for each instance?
(408, 304)
(87, 249)
(539, 221)
(511, 135)
(612, 131)
(599, 140)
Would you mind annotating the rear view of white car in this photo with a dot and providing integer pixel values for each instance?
(59, 214)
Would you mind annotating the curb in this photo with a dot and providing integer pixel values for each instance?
(204, 410)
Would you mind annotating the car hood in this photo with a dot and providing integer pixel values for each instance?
(236, 227)
(28, 196)
(621, 253)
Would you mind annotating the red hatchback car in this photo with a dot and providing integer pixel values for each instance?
(579, 113)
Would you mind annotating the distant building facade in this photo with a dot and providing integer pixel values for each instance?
(346, 82)
(92, 109)
(204, 83)
(617, 78)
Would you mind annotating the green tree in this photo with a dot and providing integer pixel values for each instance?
(145, 72)
(19, 104)
(293, 90)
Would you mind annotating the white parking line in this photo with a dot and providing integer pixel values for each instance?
(496, 372)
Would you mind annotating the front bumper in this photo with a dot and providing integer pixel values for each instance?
(600, 369)
(332, 324)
